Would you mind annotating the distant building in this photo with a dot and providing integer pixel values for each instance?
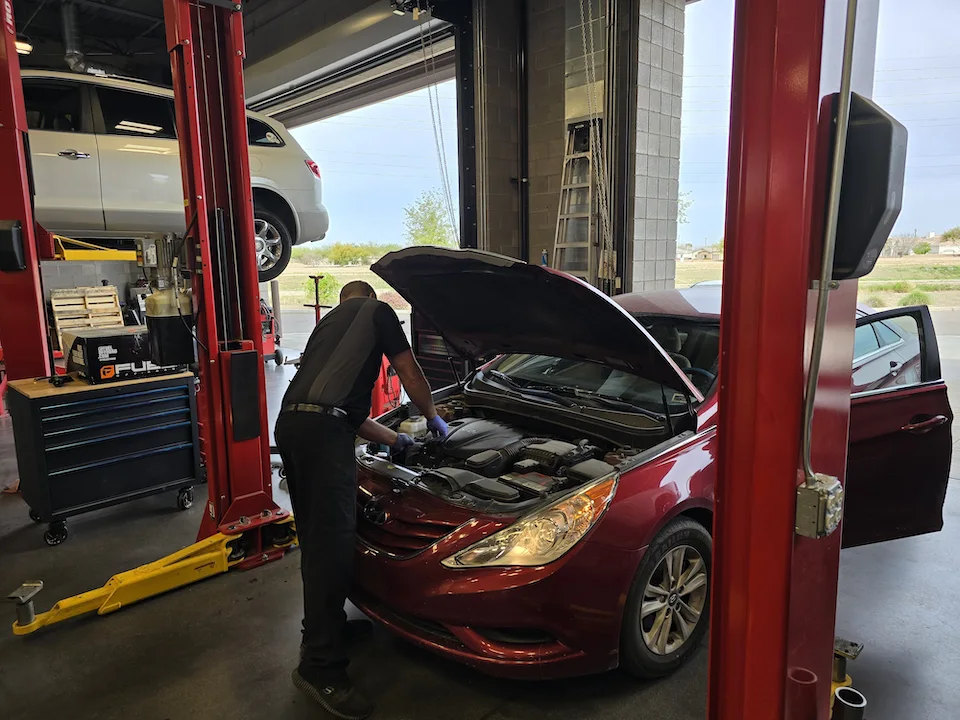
(708, 254)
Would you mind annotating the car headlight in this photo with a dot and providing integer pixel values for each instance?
(544, 535)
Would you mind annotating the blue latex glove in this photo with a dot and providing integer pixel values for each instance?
(403, 442)
(437, 426)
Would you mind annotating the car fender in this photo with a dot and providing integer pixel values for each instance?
(263, 183)
(680, 479)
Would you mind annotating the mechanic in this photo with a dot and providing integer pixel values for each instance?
(324, 409)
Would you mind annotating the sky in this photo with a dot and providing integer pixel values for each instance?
(376, 160)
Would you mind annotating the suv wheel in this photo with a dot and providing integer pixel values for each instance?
(668, 607)
(273, 241)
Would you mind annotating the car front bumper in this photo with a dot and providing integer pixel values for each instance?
(559, 620)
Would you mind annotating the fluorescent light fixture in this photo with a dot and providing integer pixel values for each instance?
(144, 128)
(24, 47)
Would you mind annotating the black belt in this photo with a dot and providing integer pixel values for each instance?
(336, 412)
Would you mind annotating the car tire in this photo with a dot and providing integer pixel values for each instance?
(661, 599)
(274, 243)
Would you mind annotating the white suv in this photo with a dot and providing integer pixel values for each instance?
(106, 164)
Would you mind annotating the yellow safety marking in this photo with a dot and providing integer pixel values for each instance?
(89, 252)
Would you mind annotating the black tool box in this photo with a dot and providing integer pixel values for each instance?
(101, 355)
(81, 447)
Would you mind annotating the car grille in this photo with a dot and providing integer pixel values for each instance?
(402, 538)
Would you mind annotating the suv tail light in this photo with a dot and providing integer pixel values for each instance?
(313, 168)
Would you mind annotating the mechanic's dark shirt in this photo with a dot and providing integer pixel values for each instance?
(341, 362)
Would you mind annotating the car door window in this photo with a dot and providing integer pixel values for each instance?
(55, 106)
(887, 334)
(887, 354)
(865, 341)
(136, 114)
(260, 133)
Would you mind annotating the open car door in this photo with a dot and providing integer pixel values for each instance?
(900, 430)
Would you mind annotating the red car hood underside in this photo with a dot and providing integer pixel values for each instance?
(485, 304)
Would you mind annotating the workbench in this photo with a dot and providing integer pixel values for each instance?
(81, 447)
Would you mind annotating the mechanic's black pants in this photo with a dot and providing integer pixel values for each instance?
(320, 465)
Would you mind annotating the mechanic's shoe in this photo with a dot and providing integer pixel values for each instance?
(336, 695)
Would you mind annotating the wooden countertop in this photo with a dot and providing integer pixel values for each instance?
(40, 388)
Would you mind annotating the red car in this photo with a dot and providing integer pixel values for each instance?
(563, 526)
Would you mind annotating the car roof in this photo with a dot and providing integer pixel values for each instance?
(115, 81)
(702, 301)
(699, 301)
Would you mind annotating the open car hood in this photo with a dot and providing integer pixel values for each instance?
(485, 304)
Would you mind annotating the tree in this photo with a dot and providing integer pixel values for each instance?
(899, 245)
(952, 235)
(683, 205)
(427, 221)
(329, 290)
(922, 248)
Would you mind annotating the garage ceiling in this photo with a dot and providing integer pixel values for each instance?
(306, 59)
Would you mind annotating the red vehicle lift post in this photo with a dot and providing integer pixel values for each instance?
(205, 40)
(23, 322)
(774, 593)
(242, 526)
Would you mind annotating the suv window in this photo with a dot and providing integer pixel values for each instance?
(136, 114)
(261, 134)
(56, 106)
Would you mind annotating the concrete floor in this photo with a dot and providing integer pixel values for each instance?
(225, 647)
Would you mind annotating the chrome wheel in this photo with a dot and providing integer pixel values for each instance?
(269, 244)
(674, 600)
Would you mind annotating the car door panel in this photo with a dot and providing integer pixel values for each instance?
(140, 162)
(64, 156)
(900, 441)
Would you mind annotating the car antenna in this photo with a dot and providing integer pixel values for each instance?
(666, 408)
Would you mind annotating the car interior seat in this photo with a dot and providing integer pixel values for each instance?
(669, 338)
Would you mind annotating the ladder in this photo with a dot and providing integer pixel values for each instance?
(577, 249)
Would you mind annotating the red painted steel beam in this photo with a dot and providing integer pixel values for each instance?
(205, 41)
(772, 204)
(23, 323)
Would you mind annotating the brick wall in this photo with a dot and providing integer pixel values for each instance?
(58, 274)
(546, 119)
(660, 84)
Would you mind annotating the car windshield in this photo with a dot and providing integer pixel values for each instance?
(693, 346)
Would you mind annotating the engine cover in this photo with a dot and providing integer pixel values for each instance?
(473, 435)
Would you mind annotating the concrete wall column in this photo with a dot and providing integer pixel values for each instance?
(497, 42)
(546, 68)
(659, 89)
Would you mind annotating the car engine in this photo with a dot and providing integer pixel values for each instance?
(492, 460)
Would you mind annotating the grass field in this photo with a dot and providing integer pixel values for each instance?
(295, 279)
(935, 278)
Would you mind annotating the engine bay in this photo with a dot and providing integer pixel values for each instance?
(490, 461)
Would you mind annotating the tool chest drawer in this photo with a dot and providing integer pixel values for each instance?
(83, 447)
